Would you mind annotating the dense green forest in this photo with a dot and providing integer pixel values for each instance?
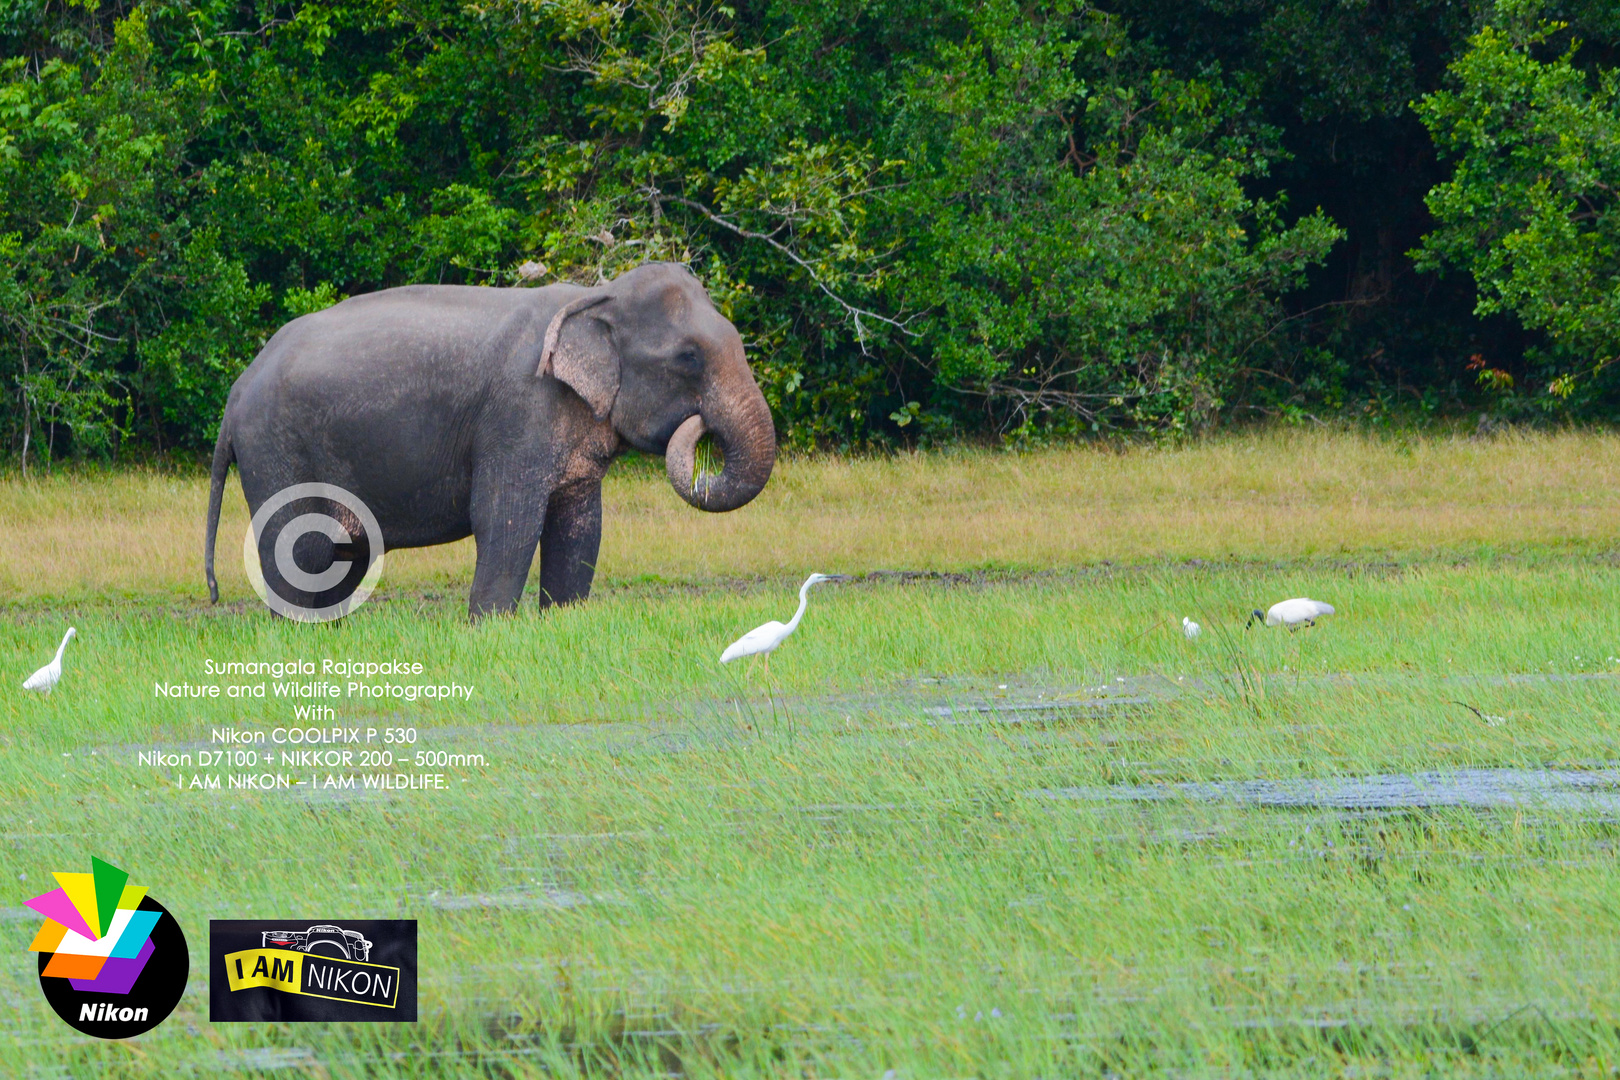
(930, 220)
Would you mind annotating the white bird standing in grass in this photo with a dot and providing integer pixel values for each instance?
(45, 679)
(1190, 628)
(1291, 613)
(765, 639)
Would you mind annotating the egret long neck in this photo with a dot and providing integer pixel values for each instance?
(62, 648)
(804, 602)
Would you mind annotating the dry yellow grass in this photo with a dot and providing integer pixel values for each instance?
(1276, 495)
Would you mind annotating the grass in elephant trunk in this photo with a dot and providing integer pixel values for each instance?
(970, 825)
(707, 460)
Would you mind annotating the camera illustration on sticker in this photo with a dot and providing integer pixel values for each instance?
(324, 939)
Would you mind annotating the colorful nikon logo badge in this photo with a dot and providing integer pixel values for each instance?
(312, 971)
(112, 961)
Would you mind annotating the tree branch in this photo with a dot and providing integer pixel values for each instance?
(856, 314)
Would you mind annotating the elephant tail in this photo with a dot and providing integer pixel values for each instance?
(224, 454)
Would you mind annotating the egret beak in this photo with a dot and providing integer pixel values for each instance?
(1253, 615)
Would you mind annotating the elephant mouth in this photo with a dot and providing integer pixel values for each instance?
(690, 471)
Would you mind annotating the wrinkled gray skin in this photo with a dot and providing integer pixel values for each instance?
(443, 409)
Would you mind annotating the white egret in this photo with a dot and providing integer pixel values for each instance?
(765, 639)
(1291, 613)
(45, 679)
(1190, 628)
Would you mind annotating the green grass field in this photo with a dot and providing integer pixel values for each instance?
(990, 822)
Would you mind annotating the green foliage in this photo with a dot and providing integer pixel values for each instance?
(927, 219)
(1110, 266)
(963, 215)
(186, 369)
(1531, 210)
(86, 165)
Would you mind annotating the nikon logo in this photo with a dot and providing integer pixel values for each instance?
(113, 962)
(102, 1011)
(352, 982)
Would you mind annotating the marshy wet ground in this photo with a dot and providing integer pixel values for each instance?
(1067, 870)
(1586, 792)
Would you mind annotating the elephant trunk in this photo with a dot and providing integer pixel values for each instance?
(742, 428)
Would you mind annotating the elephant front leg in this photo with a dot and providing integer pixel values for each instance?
(570, 542)
(506, 528)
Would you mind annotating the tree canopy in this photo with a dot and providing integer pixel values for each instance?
(928, 220)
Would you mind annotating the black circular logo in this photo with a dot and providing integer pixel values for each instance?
(128, 996)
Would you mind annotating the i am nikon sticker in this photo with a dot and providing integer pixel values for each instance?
(299, 971)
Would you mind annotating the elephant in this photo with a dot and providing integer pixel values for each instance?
(454, 411)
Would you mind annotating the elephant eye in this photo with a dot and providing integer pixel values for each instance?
(691, 359)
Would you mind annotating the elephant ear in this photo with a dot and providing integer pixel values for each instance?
(578, 351)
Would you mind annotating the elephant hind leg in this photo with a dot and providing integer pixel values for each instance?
(570, 542)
